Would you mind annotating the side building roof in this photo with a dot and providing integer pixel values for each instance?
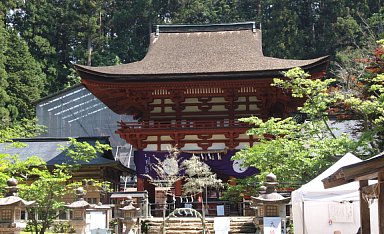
(201, 51)
(48, 149)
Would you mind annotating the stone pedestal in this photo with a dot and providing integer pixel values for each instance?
(6, 228)
(130, 226)
(79, 226)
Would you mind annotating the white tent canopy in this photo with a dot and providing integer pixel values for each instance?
(314, 190)
(321, 211)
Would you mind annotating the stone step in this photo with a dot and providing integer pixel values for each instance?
(193, 225)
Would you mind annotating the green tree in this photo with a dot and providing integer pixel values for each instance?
(24, 128)
(130, 25)
(40, 24)
(26, 77)
(4, 97)
(59, 34)
(281, 32)
(364, 99)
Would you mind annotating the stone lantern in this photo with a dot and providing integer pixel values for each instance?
(129, 216)
(11, 207)
(79, 207)
(271, 206)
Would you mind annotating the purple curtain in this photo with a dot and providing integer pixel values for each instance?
(220, 163)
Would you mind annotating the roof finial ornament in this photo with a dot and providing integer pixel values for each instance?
(268, 193)
(80, 193)
(270, 183)
(12, 188)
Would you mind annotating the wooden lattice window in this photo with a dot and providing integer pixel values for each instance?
(260, 211)
(6, 214)
(78, 214)
(271, 211)
(17, 214)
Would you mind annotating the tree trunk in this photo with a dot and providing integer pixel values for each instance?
(89, 47)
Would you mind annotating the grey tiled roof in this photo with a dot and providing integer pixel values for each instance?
(228, 49)
(48, 150)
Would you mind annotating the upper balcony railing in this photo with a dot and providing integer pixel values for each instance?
(184, 124)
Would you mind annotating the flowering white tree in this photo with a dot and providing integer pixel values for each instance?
(198, 176)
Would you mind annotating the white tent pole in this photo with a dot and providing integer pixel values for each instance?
(303, 219)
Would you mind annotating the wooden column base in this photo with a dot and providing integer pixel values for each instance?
(381, 202)
(364, 210)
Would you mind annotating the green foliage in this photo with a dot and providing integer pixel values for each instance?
(314, 91)
(296, 152)
(62, 227)
(20, 129)
(145, 226)
(242, 187)
(200, 11)
(26, 77)
(131, 23)
(364, 100)
(47, 189)
(4, 97)
(83, 151)
(21, 79)
(48, 186)
(31, 228)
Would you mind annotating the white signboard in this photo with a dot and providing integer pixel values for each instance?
(221, 225)
(98, 220)
(341, 213)
(188, 205)
(272, 225)
(220, 210)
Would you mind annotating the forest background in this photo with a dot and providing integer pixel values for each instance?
(40, 40)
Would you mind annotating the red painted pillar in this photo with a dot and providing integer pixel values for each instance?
(178, 188)
(140, 184)
(178, 193)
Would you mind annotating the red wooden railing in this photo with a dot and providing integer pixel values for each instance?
(182, 124)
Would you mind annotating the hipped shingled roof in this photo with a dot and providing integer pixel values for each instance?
(197, 51)
(48, 149)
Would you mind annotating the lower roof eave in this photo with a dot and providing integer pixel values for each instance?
(115, 164)
(321, 65)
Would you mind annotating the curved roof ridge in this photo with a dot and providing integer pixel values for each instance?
(205, 27)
